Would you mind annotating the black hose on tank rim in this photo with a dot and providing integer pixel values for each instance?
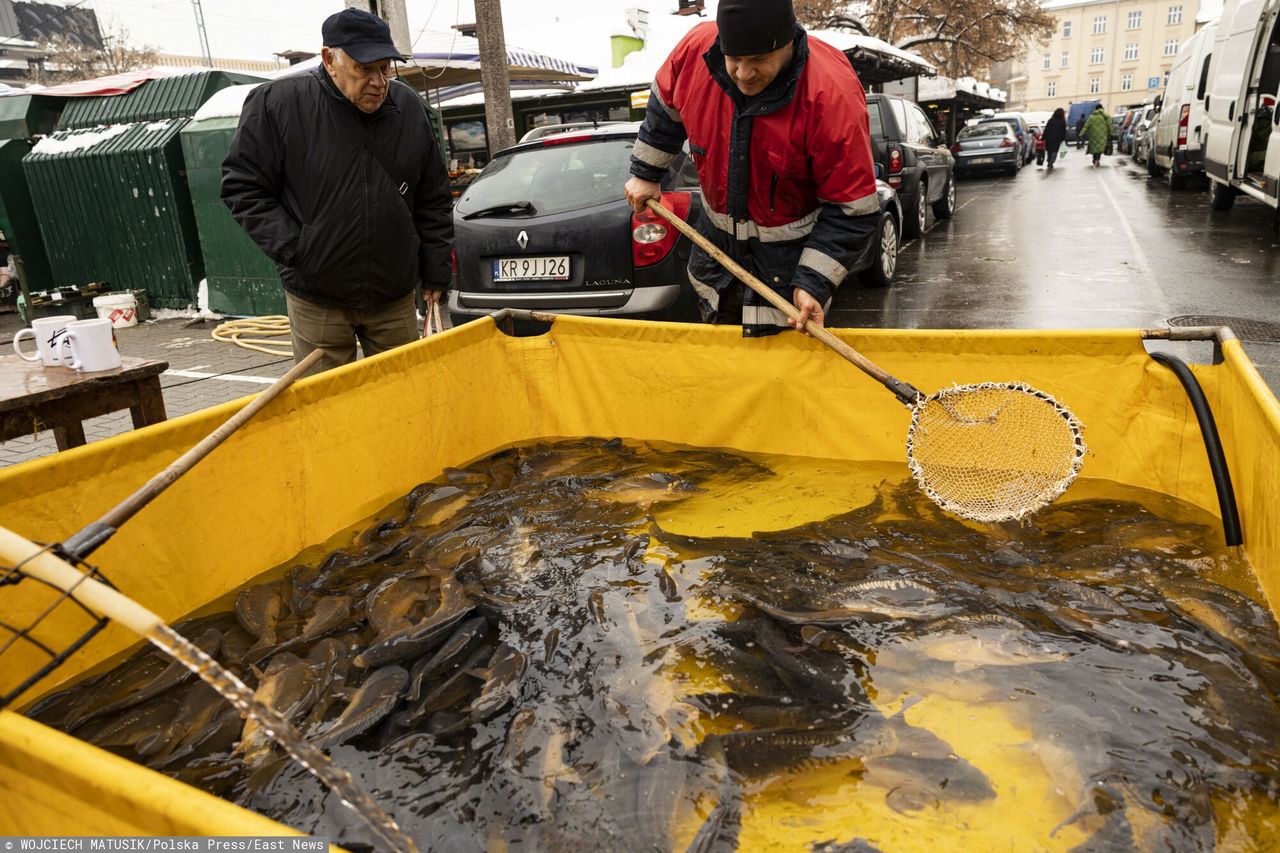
(1212, 445)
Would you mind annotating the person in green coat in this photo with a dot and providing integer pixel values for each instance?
(1097, 130)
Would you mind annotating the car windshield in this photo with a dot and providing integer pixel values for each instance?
(560, 177)
(989, 128)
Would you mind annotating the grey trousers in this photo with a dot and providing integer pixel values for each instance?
(335, 331)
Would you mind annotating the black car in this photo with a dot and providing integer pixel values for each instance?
(546, 227)
(911, 155)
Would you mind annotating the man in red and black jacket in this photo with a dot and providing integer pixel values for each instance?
(777, 125)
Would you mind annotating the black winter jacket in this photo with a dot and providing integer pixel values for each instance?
(302, 179)
(1055, 132)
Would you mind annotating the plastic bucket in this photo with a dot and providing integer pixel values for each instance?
(120, 308)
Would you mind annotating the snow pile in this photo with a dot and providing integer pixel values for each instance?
(225, 103)
(79, 140)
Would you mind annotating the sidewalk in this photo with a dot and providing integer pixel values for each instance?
(202, 372)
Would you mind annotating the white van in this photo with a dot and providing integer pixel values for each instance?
(1178, 149)
(1242, 152)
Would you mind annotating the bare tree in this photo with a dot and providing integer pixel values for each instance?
(960, 37)
(67, 60)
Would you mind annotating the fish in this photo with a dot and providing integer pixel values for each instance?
(134, 725)
(388, 606)
(533, 756)
(463, 640)
(501, 682)
(974, 641)
(371, 704)
(200, 704)
(455, 689)
(814, 677)
(148, 676)
(420, 638)
(260, 609)
(1225, 613)
(645, 490)
(331, 613)
(893, 599)
(290, 686)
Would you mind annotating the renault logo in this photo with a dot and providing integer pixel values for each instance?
(522, 240)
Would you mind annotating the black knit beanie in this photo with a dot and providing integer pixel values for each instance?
(753, 27)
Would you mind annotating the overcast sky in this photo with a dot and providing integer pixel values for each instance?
(255, 29)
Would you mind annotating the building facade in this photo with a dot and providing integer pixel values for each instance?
(1115, 51)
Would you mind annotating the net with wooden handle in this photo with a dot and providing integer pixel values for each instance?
(990, 452)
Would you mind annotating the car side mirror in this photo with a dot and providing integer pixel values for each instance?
(1159, 101)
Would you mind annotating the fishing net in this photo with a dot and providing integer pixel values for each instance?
(993, 451)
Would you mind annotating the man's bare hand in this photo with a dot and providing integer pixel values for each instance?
(638, 191)
(431, 297)
(810, 309)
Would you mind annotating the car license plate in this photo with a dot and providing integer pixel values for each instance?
(553, 268)
(977, 160)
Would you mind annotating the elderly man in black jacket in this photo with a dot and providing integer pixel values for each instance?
(337, 176)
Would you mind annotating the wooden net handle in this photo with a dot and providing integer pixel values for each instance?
(901, 390)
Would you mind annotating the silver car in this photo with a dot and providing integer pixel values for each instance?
(988, 146)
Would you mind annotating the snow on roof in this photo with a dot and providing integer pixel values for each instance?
(225, 103)
(944, 88)
(845, 41)
(79, 140)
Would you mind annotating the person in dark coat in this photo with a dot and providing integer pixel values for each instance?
(1080, 131)
(1055, 133)
(337, 176)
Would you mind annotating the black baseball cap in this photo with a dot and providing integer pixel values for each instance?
(364, 37)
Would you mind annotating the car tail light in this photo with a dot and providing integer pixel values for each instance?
(566, 138)
(453, 260)
(895, 160)
(652, 239)
(1183, 118)
(1007, 143)
(955, 149)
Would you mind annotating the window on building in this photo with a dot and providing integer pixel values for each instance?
(1130, 52)
(1175, 15)
(1126, 82)
(1066, 29)
(1051, 90)
(1095, 85)
(1100, 24)
(1095, 56)
(1166, 78)
(1066, 58)
(1135, 20)
(1048, 62)
(1170, 47)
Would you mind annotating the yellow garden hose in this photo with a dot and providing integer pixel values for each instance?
(258, 333)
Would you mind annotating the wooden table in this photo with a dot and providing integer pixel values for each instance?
(35, 398)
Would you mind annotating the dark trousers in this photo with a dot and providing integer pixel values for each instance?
(1052, 154)
(336, 330)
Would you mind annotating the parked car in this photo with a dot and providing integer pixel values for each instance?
(914, 159)
(1038, 134)
(1177, 149)
(1021, 130)
(1143, 133)
(988, 146)
(1242, 149)
(545, 226)
(567, 127)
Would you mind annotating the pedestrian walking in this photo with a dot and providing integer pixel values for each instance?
(337, 176)
(1055, 134)
(1097, 132)
(1080, 131)
(777, 123)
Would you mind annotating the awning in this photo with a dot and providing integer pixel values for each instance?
(452, 59)
(115, 84)
(449, 59)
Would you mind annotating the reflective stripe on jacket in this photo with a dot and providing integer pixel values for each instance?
(787, 176)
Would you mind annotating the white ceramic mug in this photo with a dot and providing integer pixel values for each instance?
(93, 346)
(50, 337)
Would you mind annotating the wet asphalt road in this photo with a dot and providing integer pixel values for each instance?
(1080, 247)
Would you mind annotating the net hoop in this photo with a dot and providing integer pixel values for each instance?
(1024, 508)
